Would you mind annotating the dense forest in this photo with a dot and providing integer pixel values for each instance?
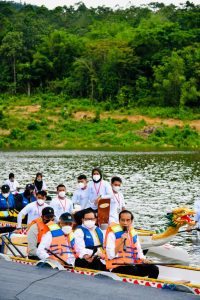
(148, 55)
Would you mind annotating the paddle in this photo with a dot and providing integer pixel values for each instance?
(142, 264)
(7, 229)
(7, 245)
(9, 240)
(58, 257)
(197, 229)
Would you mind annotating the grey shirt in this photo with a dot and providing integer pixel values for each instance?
(32, 237)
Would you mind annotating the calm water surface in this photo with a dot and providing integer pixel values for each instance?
(153, 183)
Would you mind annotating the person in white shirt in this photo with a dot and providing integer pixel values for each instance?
(98, 188)
(13, 184)
(65, 223)
(61, 203)
(80, 196)
(117, 203)
(33, 209)
(123, 247)
(89, 243)
(39, 183)
(196, 218)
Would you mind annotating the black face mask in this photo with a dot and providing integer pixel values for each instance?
(27, 193)
(46, 221)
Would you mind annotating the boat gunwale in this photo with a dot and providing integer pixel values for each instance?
(124, 276)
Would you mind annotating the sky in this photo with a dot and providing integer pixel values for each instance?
(94, 3)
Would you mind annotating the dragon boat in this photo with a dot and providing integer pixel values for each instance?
(176, 277)
(155, 242)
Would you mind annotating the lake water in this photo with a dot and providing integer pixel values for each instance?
(153, 183)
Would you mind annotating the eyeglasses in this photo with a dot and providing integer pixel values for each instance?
(90, 219)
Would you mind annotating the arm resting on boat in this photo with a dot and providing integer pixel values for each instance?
(45, 244)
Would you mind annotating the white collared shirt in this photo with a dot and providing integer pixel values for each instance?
(197, 212)
(116, 205)
(14, 185)
(80, 197)
(33, 210)
(61, 206)
(102, 188)
(80, 243)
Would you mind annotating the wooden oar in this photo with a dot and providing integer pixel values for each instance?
(197, 229)
(7, 245)
(7, 229)
(153, 263)
(58, 257)
(9, 240)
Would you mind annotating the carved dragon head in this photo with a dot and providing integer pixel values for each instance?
(180, 216)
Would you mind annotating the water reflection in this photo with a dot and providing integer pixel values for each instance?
(152, 182)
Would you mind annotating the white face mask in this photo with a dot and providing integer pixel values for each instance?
(39, 180)
(116, 188)
(67, 229)
(96, 177)
(89, 224)
(6, 195)
(81, 185)
(61, 194)
(40, 202)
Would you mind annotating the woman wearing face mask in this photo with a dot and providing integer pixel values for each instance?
(61, 203)
(39, 183)
(97, 188)
(64, 241)
(117, 203)
(33, 209)
(89, 243)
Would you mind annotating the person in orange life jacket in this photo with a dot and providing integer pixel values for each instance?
(39, 183)
(60, 242)
(28, 196)
(33, 209)
(123, 247)
(80, 196)
(37, 229)
(97, 188)
(89, 243)
(117, 203)
(7, 203)
(61, 203)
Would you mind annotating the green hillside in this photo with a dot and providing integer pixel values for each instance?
(135, 71)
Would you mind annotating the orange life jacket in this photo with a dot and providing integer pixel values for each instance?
(42, 228)
(60, 245)
(130, 256)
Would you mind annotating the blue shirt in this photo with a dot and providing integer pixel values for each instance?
(26, 201)
(7, 204)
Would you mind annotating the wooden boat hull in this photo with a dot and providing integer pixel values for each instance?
(171, 277)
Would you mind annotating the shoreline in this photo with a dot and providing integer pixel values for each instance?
(102, 150)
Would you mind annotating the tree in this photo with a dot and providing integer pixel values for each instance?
(169, 79)
(11, 48)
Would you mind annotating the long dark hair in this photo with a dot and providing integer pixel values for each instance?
(38, 184)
